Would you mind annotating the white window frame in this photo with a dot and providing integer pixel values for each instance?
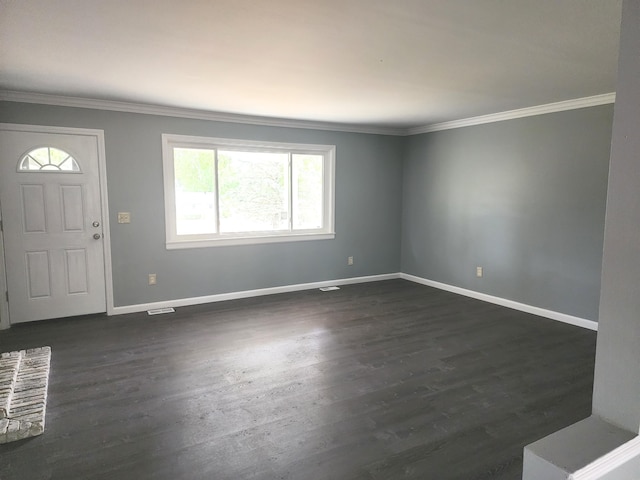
(175, 241)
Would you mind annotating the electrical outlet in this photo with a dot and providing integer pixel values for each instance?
(152, 279)
(124, 217)
(478, 272)
(349, 260)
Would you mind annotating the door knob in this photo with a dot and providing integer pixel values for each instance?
(96, 236)
(96, 224)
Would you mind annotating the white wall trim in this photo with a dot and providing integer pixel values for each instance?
(104, 201)
(609, 462)
(183, 302)
(4, 305)
(216, 238)
(146, 109)
(106, 227)
(520, 113)
(523, 307)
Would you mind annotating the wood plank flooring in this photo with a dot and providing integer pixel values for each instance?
(386, 380)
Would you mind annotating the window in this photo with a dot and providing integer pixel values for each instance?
(228, 192)
(48, 159)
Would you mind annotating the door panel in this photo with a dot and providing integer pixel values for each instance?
(38, 274)
(55, 266)
(72, 208)
(76, 263)
(33, 210)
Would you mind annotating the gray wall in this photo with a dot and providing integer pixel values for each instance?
(368, 205)
(523, 198)
(616, 389)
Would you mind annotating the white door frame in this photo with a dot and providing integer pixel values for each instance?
(5, 314)
(4, 306)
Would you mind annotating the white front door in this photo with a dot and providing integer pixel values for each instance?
(52, 224)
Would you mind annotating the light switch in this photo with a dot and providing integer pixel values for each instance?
(124, 217)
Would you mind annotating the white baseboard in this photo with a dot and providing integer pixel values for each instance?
(523, 307)
(183, 302)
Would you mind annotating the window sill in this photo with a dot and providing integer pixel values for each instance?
(231, 241)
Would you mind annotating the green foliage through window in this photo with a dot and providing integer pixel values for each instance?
(235, 191)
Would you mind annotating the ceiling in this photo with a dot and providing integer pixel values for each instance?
(401, 64)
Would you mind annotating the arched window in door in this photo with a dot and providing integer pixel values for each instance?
(48, 159)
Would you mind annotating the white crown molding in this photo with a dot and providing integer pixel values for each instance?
(523, 307)
(613, 460)
(520, 113)
(146, 109)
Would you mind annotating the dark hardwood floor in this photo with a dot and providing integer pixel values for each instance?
(386, 380)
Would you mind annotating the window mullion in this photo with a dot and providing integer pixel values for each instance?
(216, 189)
(253, 191)
(290, 192)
